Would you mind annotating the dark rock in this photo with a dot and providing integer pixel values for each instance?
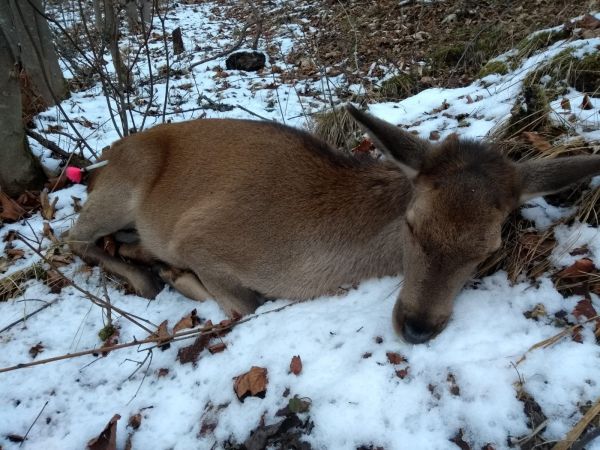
(244, 60)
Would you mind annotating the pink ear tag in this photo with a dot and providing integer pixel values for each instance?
(75, 174)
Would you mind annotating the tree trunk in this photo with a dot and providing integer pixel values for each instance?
(98, 15)
(19, 170)
(133, 16)
(32, 45)
(146, 7)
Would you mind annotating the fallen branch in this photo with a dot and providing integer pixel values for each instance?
(159, 340)
(571, 439)
(78, 160)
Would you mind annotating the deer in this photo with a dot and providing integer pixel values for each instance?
(248, 211)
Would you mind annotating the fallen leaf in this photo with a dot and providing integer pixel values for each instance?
(55, 281)
(588, 22)
(107, 439)
(538, 142)
(135, 421)
(454, 389)
(581, 267)
(76, 203)
(298, 405)
(10, 209)
(538, 311)
(434, 135)
(395, 358)
(49, 232)
(458, 440)
(48, 209)
(565, 104)
(10, 236)
(15, 437)
(162, 372)
(14, 253)
(378, 340)
(586, 103)
(296, 365)
(584, 308)
(365, 146)
(57, 183)
(36, 349)
(189, 321)
(217, 348)
(402, 373)
(190, 353)
(252, 383)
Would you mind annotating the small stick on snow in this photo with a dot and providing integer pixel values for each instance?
(23, 319)
(33, 423)
(571, 438)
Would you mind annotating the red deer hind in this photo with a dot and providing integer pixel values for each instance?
(253, 210)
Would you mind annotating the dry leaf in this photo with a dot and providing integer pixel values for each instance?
(565, 104)
(55, 281)
(584, 308)
(296, 365)
(580, 268)
(162, 372)
(402, 373)
(365, 146)
(135, 421)
(107, 439)
(10, 209)
(434, 135)
(458, 440)
(395, 358)
(189, 321)
(586, 103)
(49, 232)
(588, 22)
(191, 352)
(76, 203)
(162, 333)
(10, 236)
(538, 142)
(36, 349)
(252, 383)
(217, 348)
(48, 209)
(14, 253)
(454, 389)
(57, 183)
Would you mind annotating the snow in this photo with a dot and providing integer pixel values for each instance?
(356, 396)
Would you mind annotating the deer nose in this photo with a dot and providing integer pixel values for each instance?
(416, 333)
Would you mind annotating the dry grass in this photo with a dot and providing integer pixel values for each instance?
(12, 285)
(337, 127)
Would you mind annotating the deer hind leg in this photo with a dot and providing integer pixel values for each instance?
(184, 282)
(102, 216)
(234, 298)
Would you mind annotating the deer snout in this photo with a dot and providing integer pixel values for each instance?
(413, 328)
(415, 332)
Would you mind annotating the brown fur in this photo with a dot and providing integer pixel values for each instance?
(256, 209)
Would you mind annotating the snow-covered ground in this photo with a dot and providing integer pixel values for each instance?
(467, 378)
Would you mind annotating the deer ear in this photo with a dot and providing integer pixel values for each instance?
(405, 149)
(546, 176)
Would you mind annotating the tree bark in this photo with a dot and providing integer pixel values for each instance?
(19, 170)
(32, 45)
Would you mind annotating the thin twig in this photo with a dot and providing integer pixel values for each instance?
(33, 423)
(23, 319)
(572, 435)
(93, 298)
(162, 340)
(53, 147)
